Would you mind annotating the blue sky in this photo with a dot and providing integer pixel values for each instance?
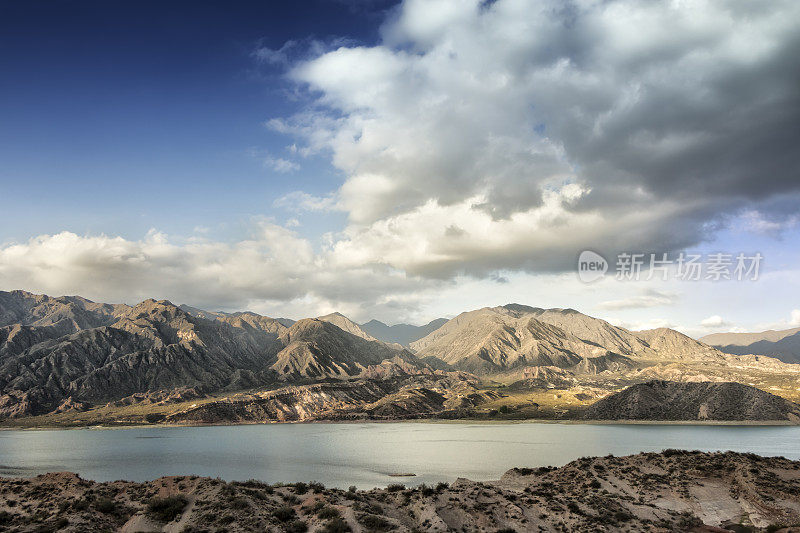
(122, 116)
(401, 161)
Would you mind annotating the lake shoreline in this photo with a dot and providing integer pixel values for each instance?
(416, 420)
(629, 492)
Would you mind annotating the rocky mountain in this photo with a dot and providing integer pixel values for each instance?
(783, 344)
(665, 343)
(72, 350)
(152, 346)
(499, 339)
(669, 400)
(26, 309)
(68, 354)
(589, 329)
(316, 348)
(403, 334)
(488, 341)
(344, 323)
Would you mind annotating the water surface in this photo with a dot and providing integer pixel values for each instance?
(361, 454)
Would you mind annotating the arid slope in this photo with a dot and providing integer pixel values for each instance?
(673, 491)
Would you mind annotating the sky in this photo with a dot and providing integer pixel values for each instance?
(403, 160)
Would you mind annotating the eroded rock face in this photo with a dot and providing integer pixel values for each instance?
(69, 349)
(670, 400)
(399, 397)
(93, 354)
(651, 492)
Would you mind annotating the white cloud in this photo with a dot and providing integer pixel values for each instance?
(278, 164)
(756, 222)
(274, 270)
(483, 116)
(649, 298)
(272, 56)
(298, 201)
(652, 323)
(714, 321)
(793, 321)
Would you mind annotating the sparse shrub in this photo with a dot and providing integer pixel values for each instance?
(507, 530)
(252, 484)
(396, 487)
(316, 487)
(105, 505)
(775, 527)
(300, 487)
(442, 486)
(238, 503)
(328, 512)
(296, 526)
(166, 509)
(337, 525)
(284, 513)
(80, 505)
(154, 418)
(426, 491)
(574, 508)
(375, 523)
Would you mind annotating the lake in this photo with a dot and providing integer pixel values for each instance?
(361, 454)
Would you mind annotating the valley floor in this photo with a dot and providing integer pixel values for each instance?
(659, 492)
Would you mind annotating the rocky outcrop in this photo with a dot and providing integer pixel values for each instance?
(399, 397)
(543, 377)
(674, 491)
(669, 400)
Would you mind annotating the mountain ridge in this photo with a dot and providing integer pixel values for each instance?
(780, 344)
(65, 354)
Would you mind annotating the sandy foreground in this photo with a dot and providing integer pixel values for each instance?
(668, 491)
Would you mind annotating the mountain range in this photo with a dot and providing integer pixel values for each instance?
(403, 334)
(783, 345)
(69, 354)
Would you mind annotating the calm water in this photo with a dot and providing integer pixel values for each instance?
(359, 454)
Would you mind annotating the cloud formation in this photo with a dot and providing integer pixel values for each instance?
(542, 128)
(648, 298)
(714, 321)
(484, 139)
(273, 271)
